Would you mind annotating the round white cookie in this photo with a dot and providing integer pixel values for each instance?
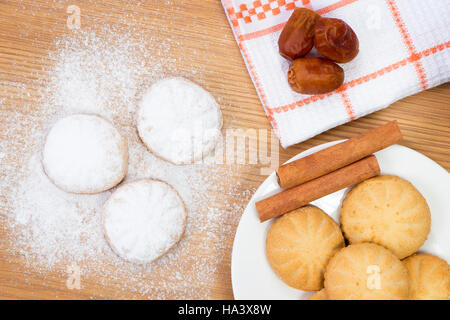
(179, 121)
(143, 219)
(85, 154)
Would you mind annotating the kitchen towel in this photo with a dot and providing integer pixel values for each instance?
(404, 49)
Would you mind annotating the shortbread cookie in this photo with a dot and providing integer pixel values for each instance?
(319, 295)
(179, 121)
(389, 211)
(366, 271)
(429, 277)
(85, 154)
(299, 245)
(143, 219)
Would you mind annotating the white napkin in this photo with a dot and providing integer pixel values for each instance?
(404, 49)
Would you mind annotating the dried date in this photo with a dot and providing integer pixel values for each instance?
(297, 37)
(335, 40)
(315, 76)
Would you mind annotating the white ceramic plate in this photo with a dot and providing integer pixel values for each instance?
(252, 276)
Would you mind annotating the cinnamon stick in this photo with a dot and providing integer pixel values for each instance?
(338, 156)
(301, 195)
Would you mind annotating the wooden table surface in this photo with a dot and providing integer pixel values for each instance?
(28, 30)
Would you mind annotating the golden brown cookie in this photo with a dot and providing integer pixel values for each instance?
(429, 277)
(299, 245)
(319, 295)
(389, 211)
(366, 271)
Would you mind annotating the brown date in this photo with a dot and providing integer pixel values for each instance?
(297, 37)
(336, 40)
(315, 76)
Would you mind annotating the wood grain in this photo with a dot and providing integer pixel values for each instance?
(204, 42)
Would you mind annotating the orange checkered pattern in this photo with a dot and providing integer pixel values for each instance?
(412, 41)
(261, 9)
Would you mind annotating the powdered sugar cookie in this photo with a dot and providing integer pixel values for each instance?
(85, 154)
(179, 121)
(143, 219)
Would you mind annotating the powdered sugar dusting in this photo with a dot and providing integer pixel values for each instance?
(53, 224)
(143, 220)
(103, 72)
(85, 154)
(179, 120)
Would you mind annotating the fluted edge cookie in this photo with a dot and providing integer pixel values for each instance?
(429, 277)
(319, 295)
(299, 245)
(389, 211)
(366, 271)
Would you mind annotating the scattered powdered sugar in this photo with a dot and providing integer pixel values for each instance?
(51, 225)
(143, 219)
(100, 73)
(103, 72)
